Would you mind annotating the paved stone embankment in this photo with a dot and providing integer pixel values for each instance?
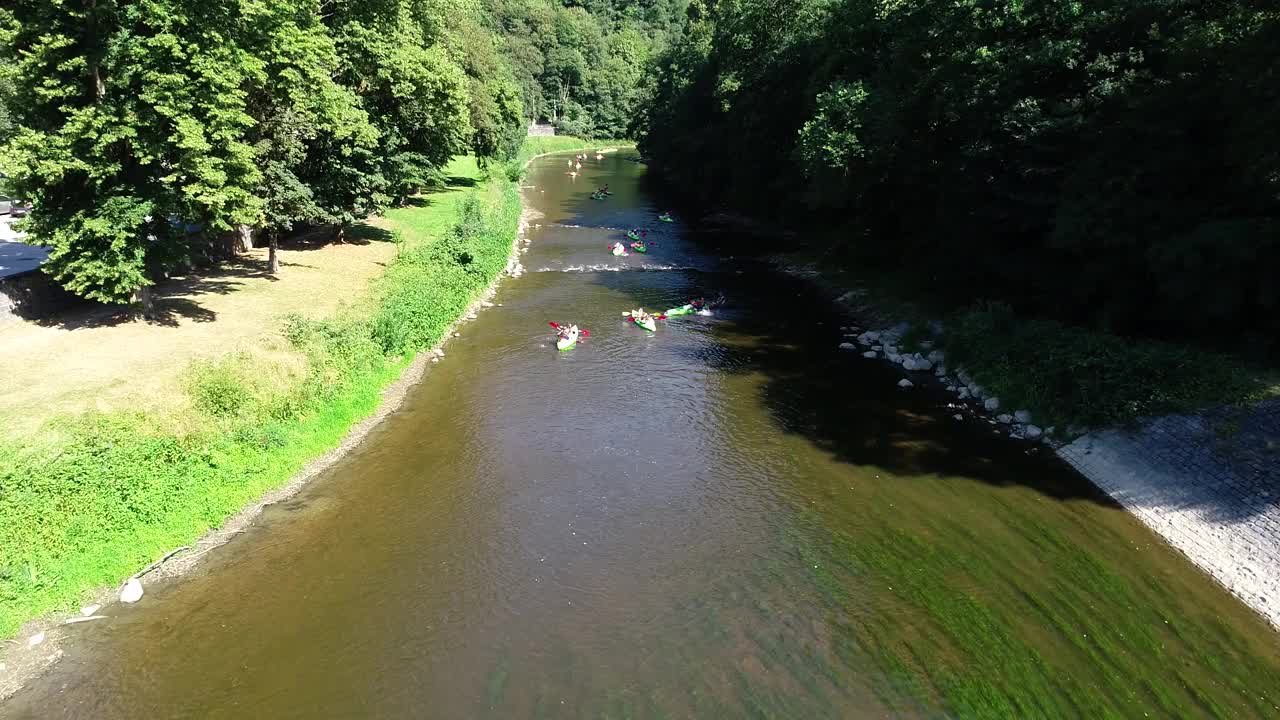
(1209, 484)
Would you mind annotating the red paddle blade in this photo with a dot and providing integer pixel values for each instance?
(554, 325)
(585, 333)
(662, 317)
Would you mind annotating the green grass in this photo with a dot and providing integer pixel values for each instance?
(1065, 375)
(96, 498)
(1074, 376)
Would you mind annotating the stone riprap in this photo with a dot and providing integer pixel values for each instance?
(1208, 483)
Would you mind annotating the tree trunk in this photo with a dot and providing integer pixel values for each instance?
(143, 297)
(244, 238)
(273, 262)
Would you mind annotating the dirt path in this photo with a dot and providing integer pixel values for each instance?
(103, 360)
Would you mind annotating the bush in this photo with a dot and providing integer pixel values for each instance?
(1070, 375)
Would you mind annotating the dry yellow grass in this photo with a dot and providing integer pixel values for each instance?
(102, 360)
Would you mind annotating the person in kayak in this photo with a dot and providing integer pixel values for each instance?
(567, 331)
(640, 316)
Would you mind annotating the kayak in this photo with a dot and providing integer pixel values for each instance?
(597, 196)
(618, 250)
(631, 235)
(567, 343)
(639, 247)
(682, 310)
(647, 324)
(664, 217)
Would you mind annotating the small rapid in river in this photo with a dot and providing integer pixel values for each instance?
(725, 518)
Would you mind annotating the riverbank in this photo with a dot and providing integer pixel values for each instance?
(1204, 478)
(96, 497)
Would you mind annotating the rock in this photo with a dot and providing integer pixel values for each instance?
(848, 346)
(951, 388)
(872, 354)
(908, 362)
(905, 383)
(921, 363)
(435, 359)
(1004, 418)
(964, 393)
(891, 349)
(936, 356)
(1022, 416)
(893, 357)
(992, 404)
(88, 610)
(964, 376)
(131, 592)
(36, 639)
(877, 347)
(958, 416)
(871, 335)
(941, 371)
(900, 329)
(1051, 430)
(1032, 432)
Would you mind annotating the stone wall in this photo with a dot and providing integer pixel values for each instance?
(540, 130)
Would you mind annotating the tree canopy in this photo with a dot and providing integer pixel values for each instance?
(1111, 162)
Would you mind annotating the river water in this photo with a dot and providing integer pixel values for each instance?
(726, 518)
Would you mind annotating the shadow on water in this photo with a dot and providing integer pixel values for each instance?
(851, 407)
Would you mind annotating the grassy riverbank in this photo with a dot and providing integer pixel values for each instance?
(94, 496)
(1064, 375)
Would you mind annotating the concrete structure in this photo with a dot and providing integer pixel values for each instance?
(1209, 483)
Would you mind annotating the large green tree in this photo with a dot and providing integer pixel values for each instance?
(132, 125)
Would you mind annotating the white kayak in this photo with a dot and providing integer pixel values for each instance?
(567, 341)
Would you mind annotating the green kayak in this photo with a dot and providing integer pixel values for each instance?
(639, 247)
(664, 217)
(682, 310)
(632, 235)
(647, 323)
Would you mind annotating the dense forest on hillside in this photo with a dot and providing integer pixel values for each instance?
(141, 130)
(1109, 163)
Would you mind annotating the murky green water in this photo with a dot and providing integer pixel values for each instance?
(727, 518)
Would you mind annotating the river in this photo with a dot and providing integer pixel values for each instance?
(726, 518)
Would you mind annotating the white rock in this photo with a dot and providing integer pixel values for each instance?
(871, 335)
(992, 404)
(1032, 432)
(894, 358)
(877, 347)
(848, 346)
(36, 639)
(1004, 418)
(131, 592)
(1022, 416)
(891, 349)
(905, 383)
(951, 388)
(958, 416)
(964, 393)
(922, 364)
(870, 354)
(908, 362)
(88, 610)
(964, 376)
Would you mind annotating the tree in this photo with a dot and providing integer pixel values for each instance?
(132, 125)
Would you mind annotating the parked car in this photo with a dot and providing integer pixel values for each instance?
(6, 205)
(18, 209)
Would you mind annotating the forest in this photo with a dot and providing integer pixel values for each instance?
(146, 131)
(1115, 165)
